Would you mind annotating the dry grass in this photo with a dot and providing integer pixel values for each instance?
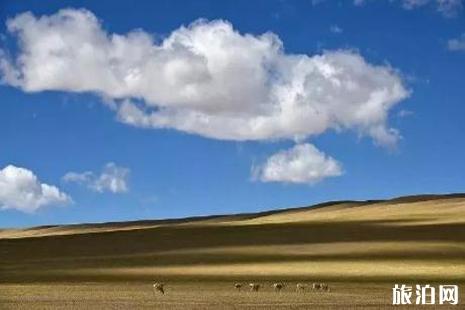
(360, 248)
(186, 295)
(193, 295)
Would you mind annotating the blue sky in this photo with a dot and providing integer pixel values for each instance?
(101, 147)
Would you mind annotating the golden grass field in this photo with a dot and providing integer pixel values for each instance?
(359, 248)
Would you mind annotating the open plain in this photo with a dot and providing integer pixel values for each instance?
(360, 249)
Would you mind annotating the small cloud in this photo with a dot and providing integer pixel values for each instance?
(457, 44)
(449, 8)
(413, 4)
(112, 179)
(404, 113)
(21, 190)
(303, 163)
(81, 178)
(336, 29)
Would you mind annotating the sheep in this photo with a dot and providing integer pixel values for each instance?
(278, 286)
(238, 286)
(316, 286)
(325, 287)
(159, 287)
(300, 287)
(254, 287)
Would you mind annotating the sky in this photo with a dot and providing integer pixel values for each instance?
(115, 111)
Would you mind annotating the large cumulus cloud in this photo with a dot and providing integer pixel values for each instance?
(205, 78)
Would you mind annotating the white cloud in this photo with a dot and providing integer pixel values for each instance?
(457, 44)
(303, 163)
(83, 177)
(20, 189)
(335, 29)
(412, 4)
(206, 79)
(111, 179)
(447, 8)
(404, 113)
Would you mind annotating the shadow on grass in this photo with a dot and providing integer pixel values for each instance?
(144, 247)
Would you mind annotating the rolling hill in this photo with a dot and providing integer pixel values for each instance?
(415, 237)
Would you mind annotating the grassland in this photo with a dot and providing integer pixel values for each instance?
(359, 248)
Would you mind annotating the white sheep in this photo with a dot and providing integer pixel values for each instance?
(254, 287)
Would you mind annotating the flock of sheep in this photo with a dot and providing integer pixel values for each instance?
(255, 287)
(300, 287)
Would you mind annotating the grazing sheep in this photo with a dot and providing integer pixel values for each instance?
(300, 287)
(316, 286)
(278, 286)
(254, 287)
(238, 286)
(159, 287)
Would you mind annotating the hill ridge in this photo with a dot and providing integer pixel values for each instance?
(235, 216)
